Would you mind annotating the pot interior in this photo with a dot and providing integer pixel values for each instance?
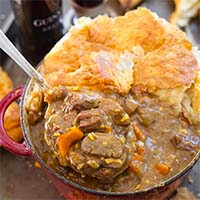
(29, 139)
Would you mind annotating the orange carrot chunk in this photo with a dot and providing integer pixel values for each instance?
(162, 168)
(138, 132)
(37, 164)
(134, 169)
(64, 141)
(137, 157)
(140, 150)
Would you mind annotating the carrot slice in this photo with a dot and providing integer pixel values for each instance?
(37, 164)
(137, 157)
(64, 141)
(138, 132)
(134, 168)
(162, 168)
(140, 150)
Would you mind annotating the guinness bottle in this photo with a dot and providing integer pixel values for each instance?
(40, 26)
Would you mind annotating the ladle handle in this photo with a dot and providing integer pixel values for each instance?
(5, 140)
(7, 46)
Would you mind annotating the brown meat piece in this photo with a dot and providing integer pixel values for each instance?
(147, 116)
(184, 142)
(79, 102)
(101, 156)
(103, 145)
(130, 105)
(89, 120)
(119, 116)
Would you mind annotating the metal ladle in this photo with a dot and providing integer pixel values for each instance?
(7, 46)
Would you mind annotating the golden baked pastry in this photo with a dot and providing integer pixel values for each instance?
(146, 54)
(184, 11)
(12, 118)
(128, 4)
(5, 83)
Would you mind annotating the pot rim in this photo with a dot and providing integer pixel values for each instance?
(83, 188)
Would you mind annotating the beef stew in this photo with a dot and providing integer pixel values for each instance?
(118, 144)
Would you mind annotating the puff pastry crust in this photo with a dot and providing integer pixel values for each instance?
(138, 51)
(12, 118)
(89, 55)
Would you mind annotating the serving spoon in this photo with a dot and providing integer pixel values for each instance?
(7, 46)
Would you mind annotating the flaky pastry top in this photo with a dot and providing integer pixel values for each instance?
(138, 50)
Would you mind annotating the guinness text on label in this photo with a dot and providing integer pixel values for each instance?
(48, 20)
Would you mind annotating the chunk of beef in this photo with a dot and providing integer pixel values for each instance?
(130, 105)
(102, 144)
(89, 120)
(147, 115)
(101, 156)
(79, 102)
(185, 142)
(112, 108)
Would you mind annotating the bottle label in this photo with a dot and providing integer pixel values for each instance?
(48, 23)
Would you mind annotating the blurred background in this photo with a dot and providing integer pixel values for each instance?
(34, 26)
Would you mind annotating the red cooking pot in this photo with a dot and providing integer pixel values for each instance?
(67, 188)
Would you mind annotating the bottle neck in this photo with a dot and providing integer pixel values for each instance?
(88, 3)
